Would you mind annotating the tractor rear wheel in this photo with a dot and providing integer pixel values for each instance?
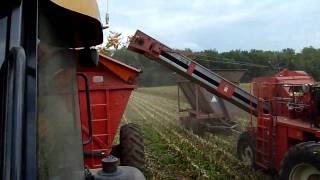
(246, 148)
(301, 162)
(131, 148)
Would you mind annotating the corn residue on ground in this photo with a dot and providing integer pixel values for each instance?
(175, 153)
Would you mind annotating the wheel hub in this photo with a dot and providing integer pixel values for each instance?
(247, 155)
(304, 172)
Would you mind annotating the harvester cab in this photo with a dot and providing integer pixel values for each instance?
(42, 45)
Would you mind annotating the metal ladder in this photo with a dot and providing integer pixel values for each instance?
(264, 140)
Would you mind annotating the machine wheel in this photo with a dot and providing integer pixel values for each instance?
(196, 127)
(131, 146)
(185, 122)
(301, 162)
(246, 148)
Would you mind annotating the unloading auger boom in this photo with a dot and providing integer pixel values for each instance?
(214, 83)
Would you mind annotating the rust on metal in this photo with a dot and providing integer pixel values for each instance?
(144, 44)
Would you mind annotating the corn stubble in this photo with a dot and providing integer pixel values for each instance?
(173, 152)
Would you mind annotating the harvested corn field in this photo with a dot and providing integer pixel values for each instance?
(175, 153)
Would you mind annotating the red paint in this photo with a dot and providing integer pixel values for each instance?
(109, 97)
(226, 88)
(263, 140)
(291, 126)
(191, 68)
(273, 89)
(282, 145)
(146, 44)
(295, 134)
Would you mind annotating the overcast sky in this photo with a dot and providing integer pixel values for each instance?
(220, 24)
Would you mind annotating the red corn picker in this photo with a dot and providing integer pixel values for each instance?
(285, 134)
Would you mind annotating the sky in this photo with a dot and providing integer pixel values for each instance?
(219, 24)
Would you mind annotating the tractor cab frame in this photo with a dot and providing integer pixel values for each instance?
(18, 90)
(40, 131)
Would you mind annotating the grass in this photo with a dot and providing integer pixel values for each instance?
(175, 153)
(246, 86)
(164, 91)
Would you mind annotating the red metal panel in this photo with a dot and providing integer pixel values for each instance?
(110, 89)
(264, 140)
(288, 133)
(98, 111)
(225, 88)
(191, 68)
(106, 118)
(145, 44)
(295, 134)
(282, 144)
(123, 71)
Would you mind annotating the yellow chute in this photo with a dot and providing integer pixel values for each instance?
(86, 7)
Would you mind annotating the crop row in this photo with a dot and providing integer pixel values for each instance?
(172, 151)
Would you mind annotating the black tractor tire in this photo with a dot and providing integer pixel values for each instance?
(299, 160)
(131, 147)
(246, 148)
(115, 151)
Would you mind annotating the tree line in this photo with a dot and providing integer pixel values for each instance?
(256, 62)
